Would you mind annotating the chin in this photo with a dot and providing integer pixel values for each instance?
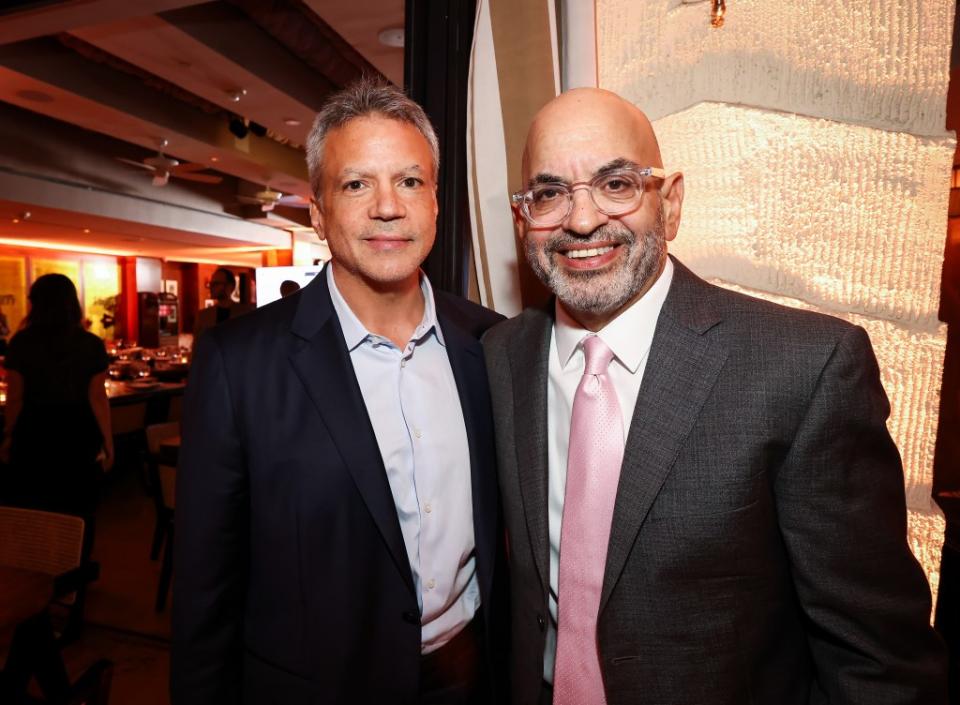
(391, 274)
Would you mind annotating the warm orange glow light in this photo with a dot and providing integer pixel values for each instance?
(65, 247)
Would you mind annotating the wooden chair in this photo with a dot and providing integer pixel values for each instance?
(162, 480)
(55, 545)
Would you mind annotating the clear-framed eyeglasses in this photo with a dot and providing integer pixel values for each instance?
(613, 193)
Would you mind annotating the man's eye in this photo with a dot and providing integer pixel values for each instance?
(353, 186)
(411, 182)
(619, 185)
(548, 194)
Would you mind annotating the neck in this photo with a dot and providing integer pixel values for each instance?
(392, 310)
(224, 303)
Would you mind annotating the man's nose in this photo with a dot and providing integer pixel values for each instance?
(387, 204)
(584, 217)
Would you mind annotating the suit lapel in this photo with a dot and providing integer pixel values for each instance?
(466, 361)
(323, 365)
(529, 369)
(682, 368)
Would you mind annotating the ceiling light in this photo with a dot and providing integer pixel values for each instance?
(291, 122)
(236, 95)
(392, 37)
(15, 221)
(214, 159)
(64, 246)
(86, 231)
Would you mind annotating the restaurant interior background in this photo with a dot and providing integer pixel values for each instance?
(817, 140)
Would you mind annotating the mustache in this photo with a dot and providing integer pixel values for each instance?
(609, 233)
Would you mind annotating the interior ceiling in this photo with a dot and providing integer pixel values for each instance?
(147, 71)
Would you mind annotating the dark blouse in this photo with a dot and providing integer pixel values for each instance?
(56, 423)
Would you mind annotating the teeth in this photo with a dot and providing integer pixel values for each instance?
(592, 252)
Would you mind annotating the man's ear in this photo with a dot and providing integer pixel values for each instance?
(316, 219)
(671, 199)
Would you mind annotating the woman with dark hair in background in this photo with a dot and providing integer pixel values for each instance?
(57, 419)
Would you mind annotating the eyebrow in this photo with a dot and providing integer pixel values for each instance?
(362, 173)
(618, 164)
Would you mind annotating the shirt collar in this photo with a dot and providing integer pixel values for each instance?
(355, 333)
(629, 335)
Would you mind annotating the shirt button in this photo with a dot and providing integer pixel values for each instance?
(417, 432)
(403, 362)
(428, 508)
(431, 584)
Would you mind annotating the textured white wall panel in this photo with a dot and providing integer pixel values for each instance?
(882, 63)
(847, 217)
(925, 534)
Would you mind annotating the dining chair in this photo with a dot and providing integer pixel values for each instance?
(162, 481)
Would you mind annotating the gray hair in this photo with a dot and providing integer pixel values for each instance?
(361, 98)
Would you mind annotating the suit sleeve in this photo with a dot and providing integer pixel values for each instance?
(842, 512)
(212, 540)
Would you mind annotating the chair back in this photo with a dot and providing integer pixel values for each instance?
(158, 432)
(45, 542)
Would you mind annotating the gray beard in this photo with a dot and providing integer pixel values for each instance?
(601, 293)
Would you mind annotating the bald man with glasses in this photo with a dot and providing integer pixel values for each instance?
(702, 501)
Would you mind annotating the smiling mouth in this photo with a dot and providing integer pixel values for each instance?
(591, 252)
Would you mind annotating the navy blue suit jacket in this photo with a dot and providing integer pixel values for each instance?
(292, 583)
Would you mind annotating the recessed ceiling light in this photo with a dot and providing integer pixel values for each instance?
(236, 95)
(214, 159)
(16, 220)
(86, 231)
(392, 37)
(292, 122)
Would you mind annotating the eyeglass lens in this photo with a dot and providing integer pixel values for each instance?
(612, 194)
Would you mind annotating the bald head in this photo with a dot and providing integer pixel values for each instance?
(594, 118)
(585, 151)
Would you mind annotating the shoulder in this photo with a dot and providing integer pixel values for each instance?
(530, 323)
(758, 321)
(466, 315)
(750, 319)
(91, 342)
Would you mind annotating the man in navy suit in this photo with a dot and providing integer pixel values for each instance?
(336, 499)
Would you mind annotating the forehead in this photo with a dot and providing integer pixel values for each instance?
(574, 143)
(375, 142)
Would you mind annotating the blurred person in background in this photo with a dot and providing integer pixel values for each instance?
(56, 438)
(221, 285)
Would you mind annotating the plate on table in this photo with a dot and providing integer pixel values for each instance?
(143, 385)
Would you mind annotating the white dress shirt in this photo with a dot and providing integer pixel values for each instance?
(629, 336)
(414, 407)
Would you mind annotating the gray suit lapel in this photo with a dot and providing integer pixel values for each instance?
(528, 369)
(682, 368)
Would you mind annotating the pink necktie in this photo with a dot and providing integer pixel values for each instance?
(593, 471)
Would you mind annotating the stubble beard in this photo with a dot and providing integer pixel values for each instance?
(605, 292)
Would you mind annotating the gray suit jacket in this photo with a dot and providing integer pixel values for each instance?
(757, 552)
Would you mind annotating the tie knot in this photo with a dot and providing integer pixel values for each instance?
(597, 356)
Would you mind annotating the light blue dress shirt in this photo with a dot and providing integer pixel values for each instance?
(414, 408)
